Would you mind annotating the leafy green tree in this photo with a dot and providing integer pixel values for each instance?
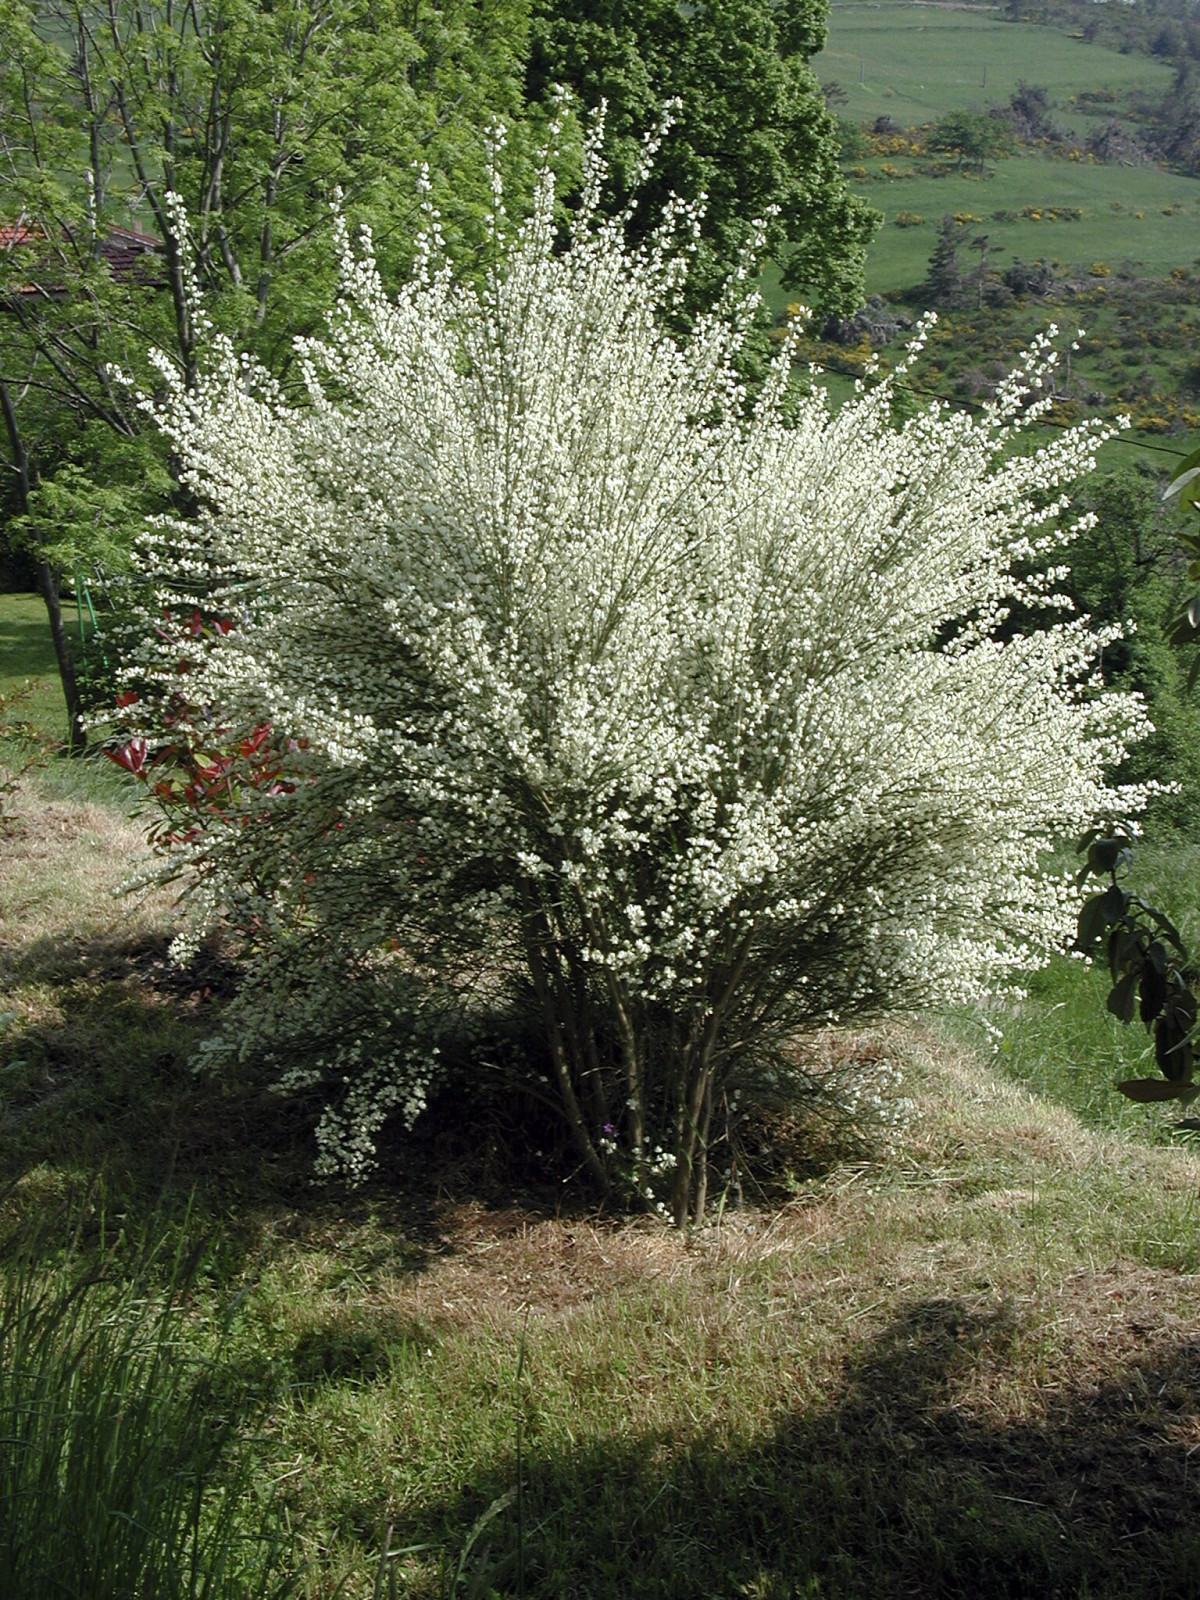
(753, 131)
(254, 114)
(1126, 569)
(972, 136)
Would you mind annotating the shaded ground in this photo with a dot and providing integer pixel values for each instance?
(905, 1481)
(966, 1364)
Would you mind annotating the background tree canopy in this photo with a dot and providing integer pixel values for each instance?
(753, 131)
(255, 113)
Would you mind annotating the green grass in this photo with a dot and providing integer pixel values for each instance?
(919, 62)
(33, 717)
(127, 1468)
(1110, 229)
(27, 660)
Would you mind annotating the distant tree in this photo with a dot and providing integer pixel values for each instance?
(1176, 124)
(1030, 277)
(982, 245)
(1028, 112)
(753, 133)
(972, 136)
(1169, 42)
(945, 285)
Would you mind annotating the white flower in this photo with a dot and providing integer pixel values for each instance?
(680, 700)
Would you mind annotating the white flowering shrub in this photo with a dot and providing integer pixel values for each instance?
(536, 664)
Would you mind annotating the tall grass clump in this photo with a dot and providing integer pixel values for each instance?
(125, 1470)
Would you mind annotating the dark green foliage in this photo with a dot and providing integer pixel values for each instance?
(1152, 973)
(945, 286)
(1175, 122)
(1127, 569)
(256, 116)
(753, 130)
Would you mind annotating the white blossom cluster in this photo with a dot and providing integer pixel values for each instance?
(681, 710)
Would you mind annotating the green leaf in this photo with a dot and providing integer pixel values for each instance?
(1154, 992)
(1185, 628)
(1146, 1091)
(1159, 921)
(1108, 854)
(1114, 903)
(1185, 481)
(1124, 950)
(1122, 997)
(1092, 923)
(1172, 1051)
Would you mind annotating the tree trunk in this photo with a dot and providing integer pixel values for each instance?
(47, 579)
(48, 588)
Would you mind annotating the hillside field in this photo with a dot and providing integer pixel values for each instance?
(918, 61)
(1136, 219)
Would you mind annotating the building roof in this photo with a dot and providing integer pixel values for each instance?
(125, 249)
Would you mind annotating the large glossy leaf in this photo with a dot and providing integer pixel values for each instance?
(1159, 921)
(1146, 1091)
(1105, 855)
(1125, 950)
(1123, 996)
(1114, 902)
(1092, 922)
(1185, 628)
(1154, 992)
(1185, 481)
(1172, 1051)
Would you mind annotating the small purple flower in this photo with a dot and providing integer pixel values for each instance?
(609, 1129)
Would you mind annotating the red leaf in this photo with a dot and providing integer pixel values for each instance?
(253, 743)
(131, 756)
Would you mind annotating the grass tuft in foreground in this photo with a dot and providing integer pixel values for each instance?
(127, 1469)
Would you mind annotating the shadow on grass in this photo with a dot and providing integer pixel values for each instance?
(97, 1085)
(909, 1482)
(26, 649)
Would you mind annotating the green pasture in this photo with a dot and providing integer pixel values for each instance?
(1166, 233)
(29, 679)
(916, 62)
(1143, 218)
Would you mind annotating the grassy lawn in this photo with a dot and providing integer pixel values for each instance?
(918, 62)
(955, 1357)
(27, 660)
